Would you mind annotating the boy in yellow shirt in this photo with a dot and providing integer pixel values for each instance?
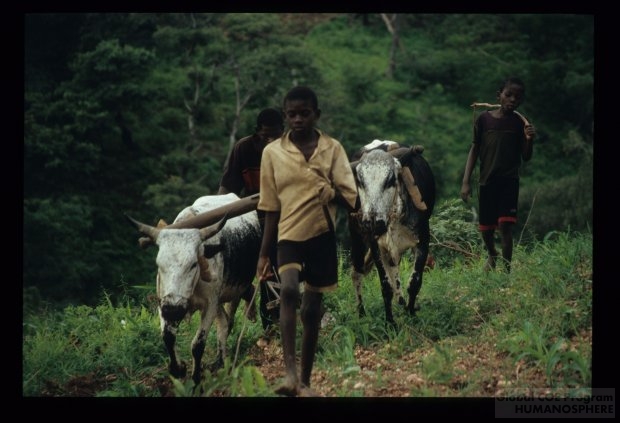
(303, 175)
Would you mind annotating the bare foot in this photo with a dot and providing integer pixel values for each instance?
(288, 388)
(268, 336)
(306, 391)
(287, 391)
(490, 264)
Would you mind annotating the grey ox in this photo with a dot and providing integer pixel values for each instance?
(397, 196)
(202, 270)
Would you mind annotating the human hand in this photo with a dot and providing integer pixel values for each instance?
(530, 132)
(465, 191)
(263, 269)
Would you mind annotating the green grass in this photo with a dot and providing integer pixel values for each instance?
(529, 321)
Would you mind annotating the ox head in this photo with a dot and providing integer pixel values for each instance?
(180, 264)
(377, 177)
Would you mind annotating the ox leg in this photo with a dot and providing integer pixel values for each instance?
(392, 284)
(225, 320)
(177, 369)
(357, 278)
(250, 308)
(221, 322)
(388, 294)
(198, 349)
(389, 265)
(414, 287)
(387, 290)
(200, 340)
(415, 283)
(358, 253)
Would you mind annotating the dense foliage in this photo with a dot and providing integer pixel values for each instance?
(136, 113)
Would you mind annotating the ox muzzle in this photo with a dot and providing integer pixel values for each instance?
(372, 225)
(173, 311)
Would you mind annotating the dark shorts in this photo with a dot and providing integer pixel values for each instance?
(498, 202)
(315, 258)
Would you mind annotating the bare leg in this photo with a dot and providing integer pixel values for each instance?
(506, 230)
(311, 320)
(488, 236)
(289, 298)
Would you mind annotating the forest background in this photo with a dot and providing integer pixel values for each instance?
(136, 113)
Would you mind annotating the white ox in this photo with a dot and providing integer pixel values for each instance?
(389, 223)
(202, 270)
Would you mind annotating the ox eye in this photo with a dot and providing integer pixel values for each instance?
(391, 181)
(193, 266)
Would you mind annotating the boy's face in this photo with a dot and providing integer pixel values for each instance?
(269, 133)
(300, 115)
(511, 97)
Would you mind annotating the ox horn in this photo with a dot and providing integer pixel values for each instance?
(205, 233)
(210, 231)
(151, 231)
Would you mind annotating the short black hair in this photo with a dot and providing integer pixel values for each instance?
(512, 80)
(269, 117)
(303, 94)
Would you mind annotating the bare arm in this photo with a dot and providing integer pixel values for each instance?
(472, 157)
(528, 144)
(270, 235)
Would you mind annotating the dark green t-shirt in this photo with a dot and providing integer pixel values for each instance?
(501, 143)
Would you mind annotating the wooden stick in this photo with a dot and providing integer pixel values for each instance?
(412, 188)
(494, 106)
(236, 208)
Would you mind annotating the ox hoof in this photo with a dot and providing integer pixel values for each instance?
(413, 309)
(178, 371)
(197, 378)
(361, 311)
(391, 324)
(216, 365)
(402, 301)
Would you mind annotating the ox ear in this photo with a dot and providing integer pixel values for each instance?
(147, 230)
(203, 264)
(209, 231)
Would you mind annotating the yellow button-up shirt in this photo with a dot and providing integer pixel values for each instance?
(291, 185)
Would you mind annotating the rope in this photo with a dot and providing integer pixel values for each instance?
(243, 326)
